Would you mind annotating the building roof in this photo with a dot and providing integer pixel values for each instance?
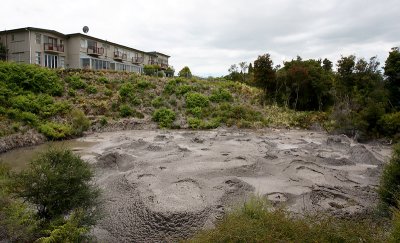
(153, 53)
(104, 41)
(33, 29)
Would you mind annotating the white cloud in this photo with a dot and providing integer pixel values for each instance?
(209, 36)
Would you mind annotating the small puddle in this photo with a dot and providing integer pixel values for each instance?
(19, 158)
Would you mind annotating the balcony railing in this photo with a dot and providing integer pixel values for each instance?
(137, 60)
(50, 47)
(120, 56)
(95, 51)
(164, 65)
(153, 62)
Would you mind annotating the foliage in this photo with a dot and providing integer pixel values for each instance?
(151, 70)
(169, 72)
(395, 231)
(390, 124)
(185, 72)
(302, 85)
(195, 99)
(392, 72)
(90, 89)
(221, 95)
(79, 122)
(75, 82)
(57, 182)
(55, 131)
(71, 229)
(256, 221)
(164, 117)
(158, 102)
(264, 73)
(125, 111)
(389, 187)
(23, 77)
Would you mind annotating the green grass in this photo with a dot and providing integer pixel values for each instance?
(257, 221)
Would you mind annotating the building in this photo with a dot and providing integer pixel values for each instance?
(52, 49)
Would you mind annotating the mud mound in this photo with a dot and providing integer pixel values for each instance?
(163, 186)
(360, 154)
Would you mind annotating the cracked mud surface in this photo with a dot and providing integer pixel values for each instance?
(161, 186)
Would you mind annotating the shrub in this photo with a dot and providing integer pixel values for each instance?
(125, 111)
(389, 187)
(150, 70)
(126, 90)
(144, 84)
(195, 123)
(55, 131)
(103, 80)
(196, 112)
(157, 102)
(256, 221)
(164, 117)
(194, 99)
(390, 124)
(221, 95)
(75, 82)
(183, 89)
(108, 92)
(30, 78)
(90, 89)
(57, 182)
(79, 122)
(172, 85)
(185, 72)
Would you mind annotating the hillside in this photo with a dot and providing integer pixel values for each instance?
(64, 103)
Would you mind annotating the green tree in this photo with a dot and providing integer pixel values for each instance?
(185, 72)
(243, 68)
(327, 65)
(57, 182)
(264, 73)
(392, 72)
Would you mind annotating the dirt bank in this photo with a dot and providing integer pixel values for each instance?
(165, 185)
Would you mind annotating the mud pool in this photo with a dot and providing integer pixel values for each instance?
(165, 185)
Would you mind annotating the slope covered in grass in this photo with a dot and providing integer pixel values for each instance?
(64, 103)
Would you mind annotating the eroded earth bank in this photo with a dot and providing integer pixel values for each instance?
(165, 185)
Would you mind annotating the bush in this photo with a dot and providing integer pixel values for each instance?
(30, 78)
(79, 122)
(55, 131)
(390, 124)
(125, 111)
(195, 123)
(221, 95)
(75, 82)
(172, 85)
(256, 221)
(194, 99)
(90, 89)
(389, 187)
(150, 70)
(165, 117)
(157, 102)
(185, 72)
(144, 84)
(57, 182)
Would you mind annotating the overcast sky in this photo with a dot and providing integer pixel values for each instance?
(210, 35)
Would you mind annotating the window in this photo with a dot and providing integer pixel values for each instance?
(83, 43)
(85, 63)
(50, 61)
(12, 37)
(38, 38)
(38, 57)
(62, 62)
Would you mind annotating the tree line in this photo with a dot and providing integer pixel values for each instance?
(362, 99)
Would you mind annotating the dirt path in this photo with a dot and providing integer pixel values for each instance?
(165, 185)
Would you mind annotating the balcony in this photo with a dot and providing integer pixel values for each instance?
(119, 56)
(137, 60)
(153, 62)
(50, 47)
(164, 65)
(95, 51)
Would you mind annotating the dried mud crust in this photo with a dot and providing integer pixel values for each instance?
(162, 186)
